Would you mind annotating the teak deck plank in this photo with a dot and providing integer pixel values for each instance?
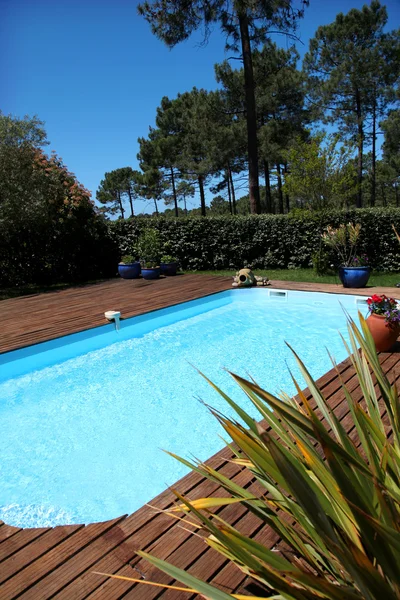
(60, 562)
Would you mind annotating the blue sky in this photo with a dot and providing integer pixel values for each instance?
(93, 71)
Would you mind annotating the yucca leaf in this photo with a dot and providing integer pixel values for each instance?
(210, 502)
(374, 544)
(192, 582)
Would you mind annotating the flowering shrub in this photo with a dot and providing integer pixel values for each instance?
(387, 307)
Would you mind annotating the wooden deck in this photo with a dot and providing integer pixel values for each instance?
(60, 562)
(32, 319)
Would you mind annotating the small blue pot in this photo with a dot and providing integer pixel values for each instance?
(354, 277)
(169, 268)
(151, 273)
(129, 271)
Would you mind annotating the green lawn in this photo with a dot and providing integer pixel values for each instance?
(376, 279)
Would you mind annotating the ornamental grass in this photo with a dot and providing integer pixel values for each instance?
(334, 504)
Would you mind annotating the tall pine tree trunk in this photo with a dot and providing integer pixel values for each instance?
(229, 191)
(130, 200)
(251, 117)
(156, 206)
(383, 194)
(121, 206)
(287, 199)
(174, 192)
(280, 194)
(232, 191)
(268, 197)
(373, 169)
(202, 197)
(360, 146)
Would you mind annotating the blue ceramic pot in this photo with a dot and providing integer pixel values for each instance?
(354, 277)
(169, 268)
(129, 271)
(151, 273)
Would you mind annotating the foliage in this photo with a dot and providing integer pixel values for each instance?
(49, 229)
(127, 259)
(387, 307)
(334, 504)
(344, 241)
(265, 241)
(167, 259)
(320, 262)
(115, 187)
(246, 25)
(149, 247)
(321, 174)
(353, 67)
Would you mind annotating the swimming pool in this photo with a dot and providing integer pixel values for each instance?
(83, 418)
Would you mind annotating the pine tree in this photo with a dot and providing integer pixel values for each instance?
(352, 65)
(246, 24)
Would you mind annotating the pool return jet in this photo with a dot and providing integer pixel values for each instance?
(113, 315)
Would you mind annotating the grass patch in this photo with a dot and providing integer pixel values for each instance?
(307, 275)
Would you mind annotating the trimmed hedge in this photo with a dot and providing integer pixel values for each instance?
(264, 241)
(45, 253)
(88, 248)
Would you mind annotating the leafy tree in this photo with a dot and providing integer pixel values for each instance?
(48, 224)
(320, 174)
(21, 142)
(150, 185)
(219, 206)
(391, 144)
(116, 186)
(352, 65)
(34, 186)
(246, 24)
(185, 144)
(162, 147)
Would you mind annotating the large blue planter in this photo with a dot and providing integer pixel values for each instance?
(129, 271)
(169, 268)
(151, 273)
(354, 277)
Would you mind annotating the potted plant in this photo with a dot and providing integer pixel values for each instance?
(354, 270)
(149, 245)
(129, 268)
(383, 321)
(169, 265)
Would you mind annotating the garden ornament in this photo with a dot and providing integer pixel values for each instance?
(246, 278)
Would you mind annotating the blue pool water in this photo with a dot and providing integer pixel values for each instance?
(81, 433)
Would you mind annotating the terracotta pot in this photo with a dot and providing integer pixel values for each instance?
(384, 335)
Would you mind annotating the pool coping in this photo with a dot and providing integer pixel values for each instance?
(29, 320)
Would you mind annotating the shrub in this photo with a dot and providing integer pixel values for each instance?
(265, 241)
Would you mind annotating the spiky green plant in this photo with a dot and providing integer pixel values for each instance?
(335, 504)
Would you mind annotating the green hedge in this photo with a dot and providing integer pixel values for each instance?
(46, 253)
(264, 241)
(87, 248)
